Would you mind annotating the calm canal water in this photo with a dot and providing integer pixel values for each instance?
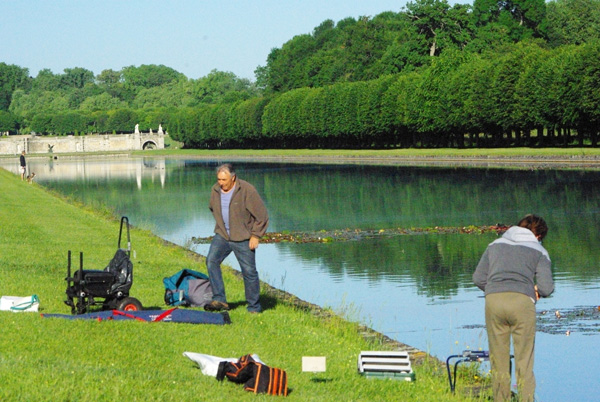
(414, 288)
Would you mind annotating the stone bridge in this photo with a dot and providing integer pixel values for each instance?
(39, 144)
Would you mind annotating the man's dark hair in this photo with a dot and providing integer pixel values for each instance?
(536, 224)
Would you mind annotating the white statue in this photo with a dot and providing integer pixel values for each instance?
(150, 131)
(137, 129)
(160, 130)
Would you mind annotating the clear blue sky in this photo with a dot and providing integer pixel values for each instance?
(190, 36)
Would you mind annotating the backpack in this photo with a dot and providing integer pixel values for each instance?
(187, 288)
(256, 377)
(122, 269)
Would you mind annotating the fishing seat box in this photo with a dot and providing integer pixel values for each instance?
(97, 282)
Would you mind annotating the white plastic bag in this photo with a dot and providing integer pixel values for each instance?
(209, 365)
(20, 304)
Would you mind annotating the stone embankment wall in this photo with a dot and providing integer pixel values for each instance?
(34, 144)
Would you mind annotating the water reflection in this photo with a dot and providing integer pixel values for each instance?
(116, 168)
(417, 288)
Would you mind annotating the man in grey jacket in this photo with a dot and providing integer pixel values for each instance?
(241, 220)
(514, 272)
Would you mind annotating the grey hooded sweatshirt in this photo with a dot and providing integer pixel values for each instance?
(515, 263)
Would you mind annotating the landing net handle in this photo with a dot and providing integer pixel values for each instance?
(125, 220)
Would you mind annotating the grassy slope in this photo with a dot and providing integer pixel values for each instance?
(57, 359)
(574, 155)
(558, 153)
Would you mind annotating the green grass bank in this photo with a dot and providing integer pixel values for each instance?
(470, 153)
(504, 158)
(51, 359)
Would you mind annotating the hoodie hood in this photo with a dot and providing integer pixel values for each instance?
(519, 235)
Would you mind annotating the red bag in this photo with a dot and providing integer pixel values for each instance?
(255, 376)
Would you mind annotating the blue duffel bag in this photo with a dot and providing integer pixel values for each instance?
(187, 288)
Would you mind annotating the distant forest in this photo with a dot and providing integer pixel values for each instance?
(497, 73)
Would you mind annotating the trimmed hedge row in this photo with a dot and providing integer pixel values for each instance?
(530, 96)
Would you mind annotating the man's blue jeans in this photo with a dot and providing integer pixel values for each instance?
(219, 250)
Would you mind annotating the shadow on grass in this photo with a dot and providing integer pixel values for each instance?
(321, 380)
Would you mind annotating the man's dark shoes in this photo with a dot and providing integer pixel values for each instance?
(216, 306)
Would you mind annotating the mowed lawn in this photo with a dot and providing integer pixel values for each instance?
(54, 359)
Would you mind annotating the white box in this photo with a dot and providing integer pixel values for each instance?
(19, 304)
(315, 364)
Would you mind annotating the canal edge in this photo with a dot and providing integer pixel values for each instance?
(417, 356)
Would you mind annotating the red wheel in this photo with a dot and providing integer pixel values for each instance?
(129, 304)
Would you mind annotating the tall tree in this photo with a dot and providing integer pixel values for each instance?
(12, 77)
(109, 78)
(286, 66)
(222, 87)
(111, 81)
(402, 50)
(149, 75)
(573, 22)
(8, 121)
(522, 19)
(46, 80)
(76, 77)
(102, 102)
(175, 94)
(440, 25)
(29, 104)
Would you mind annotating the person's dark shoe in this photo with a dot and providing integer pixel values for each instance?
(216, 306)
(226, 317)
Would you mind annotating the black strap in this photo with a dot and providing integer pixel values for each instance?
(184, 273)
(221, 370)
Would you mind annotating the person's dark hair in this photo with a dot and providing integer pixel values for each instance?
(226, 167)
(536, 224)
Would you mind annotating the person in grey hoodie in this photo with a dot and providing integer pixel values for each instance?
(514, 272)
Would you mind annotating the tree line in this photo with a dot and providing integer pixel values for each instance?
(76, 101)
(529, 96)
(367, 48)
(498, 73)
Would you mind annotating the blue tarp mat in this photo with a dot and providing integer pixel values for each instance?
(172, 315)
